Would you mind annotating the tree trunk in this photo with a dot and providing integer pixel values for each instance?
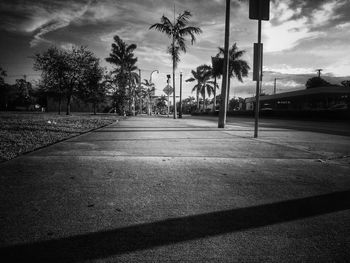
(149, 105)
(174, 65)
(204, 102)
(68, 104)
(94, 106)
(59, 104)
(198, 109)
(228, 92)
(198, 100)
(214, 107)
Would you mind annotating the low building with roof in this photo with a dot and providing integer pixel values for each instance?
(320, 98)
(323, 102)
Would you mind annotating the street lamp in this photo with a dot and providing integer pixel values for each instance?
(150, 77)
(180, 110)
(153, 92)
(167, 81)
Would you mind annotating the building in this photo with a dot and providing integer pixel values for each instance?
(313, 99)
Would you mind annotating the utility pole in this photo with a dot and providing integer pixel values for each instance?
(257, 95)
(180, 105)
(224, 88)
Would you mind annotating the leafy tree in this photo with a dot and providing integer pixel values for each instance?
(4, 90)
(316, 82)
(65, 73)
(238, 67)
(177, 31)
(2, 76)
(161, 103)
(234, 103)
(53, 64)
(188, 104)
(94, 87)
(24, 93)
(346, 83)
(122, 57)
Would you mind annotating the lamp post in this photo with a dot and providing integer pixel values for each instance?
(150, 77)
(180, 105)
(153, 92)
(168, 79)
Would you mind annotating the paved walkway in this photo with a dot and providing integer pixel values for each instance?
(158, 189)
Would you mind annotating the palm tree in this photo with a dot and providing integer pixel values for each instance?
(238, 67)
(149, 92)
(122, 56)
(202, 74)
(217, 68)
(177, 31)
(134, 80)
(196, 76)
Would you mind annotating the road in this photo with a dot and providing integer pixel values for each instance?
(329, 127)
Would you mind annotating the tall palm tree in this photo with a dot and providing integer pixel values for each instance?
(122, 56)
(177, 31)
(238, 67)
(149, 91)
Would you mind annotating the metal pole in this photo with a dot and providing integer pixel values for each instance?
(274, 86)
(223, 106)
(174, 98)
(180, 105)
(150, 81)
(168, 96)
(257, 96)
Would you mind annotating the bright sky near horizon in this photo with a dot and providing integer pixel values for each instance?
(300, 37)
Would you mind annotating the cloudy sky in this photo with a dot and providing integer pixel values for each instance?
(300, 37)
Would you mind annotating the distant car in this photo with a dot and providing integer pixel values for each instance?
(341, 106)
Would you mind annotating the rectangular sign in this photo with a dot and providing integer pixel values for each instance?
(259, 9)
(257, 61)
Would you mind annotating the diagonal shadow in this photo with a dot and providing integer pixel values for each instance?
(149, 235)
(157, 130)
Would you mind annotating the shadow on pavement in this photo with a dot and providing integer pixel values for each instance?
(170, 231)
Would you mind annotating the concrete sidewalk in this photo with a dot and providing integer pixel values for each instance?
(158, 189)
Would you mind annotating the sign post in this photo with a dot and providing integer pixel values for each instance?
(258, 10)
